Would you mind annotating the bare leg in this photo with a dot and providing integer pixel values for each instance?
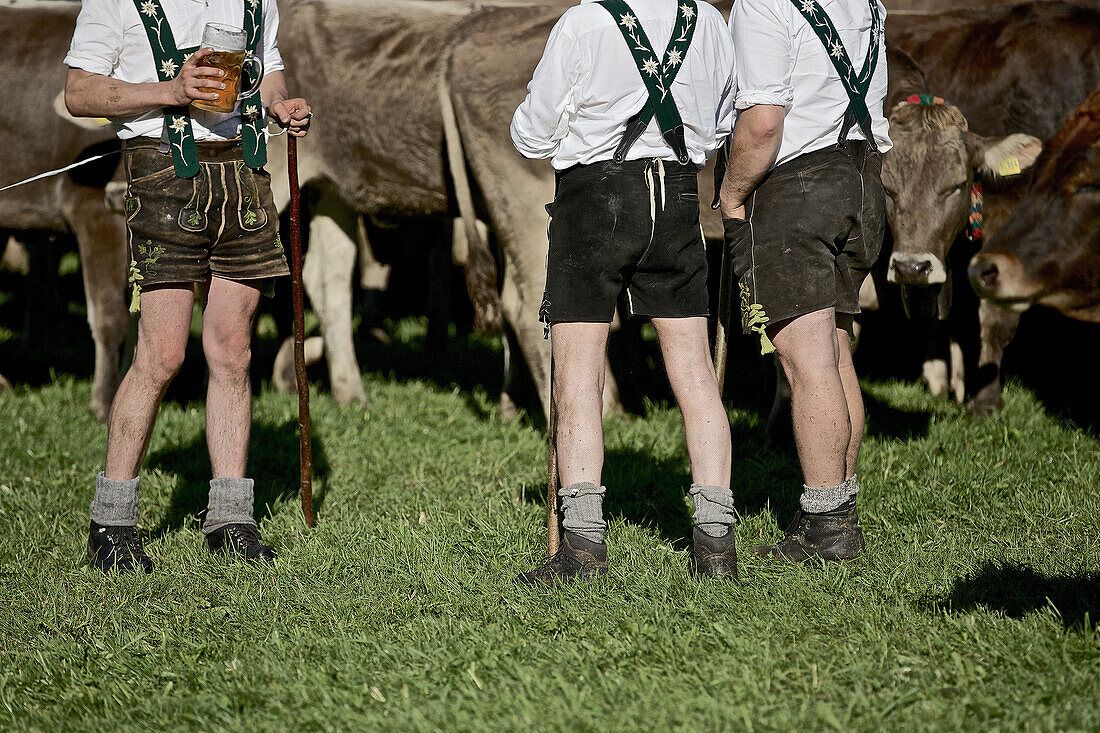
(852, 393)
(227, 343)
(162, 342)
(809, 350)
(686, 352)
(579, 357)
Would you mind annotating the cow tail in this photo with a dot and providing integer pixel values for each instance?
(481, 266)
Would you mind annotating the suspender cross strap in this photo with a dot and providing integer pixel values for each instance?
(855, 84)
(177, 120)
(657, 75)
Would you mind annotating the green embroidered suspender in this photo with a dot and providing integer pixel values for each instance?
(657, 75)
(856, 85)
(170, 59)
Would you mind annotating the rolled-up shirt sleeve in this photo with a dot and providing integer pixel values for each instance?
(542, 121)
(762, 47)
(97, 40)
(273, 60)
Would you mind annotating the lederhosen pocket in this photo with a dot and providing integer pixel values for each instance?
(251, 214)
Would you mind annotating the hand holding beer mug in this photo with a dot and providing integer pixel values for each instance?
(229, 56)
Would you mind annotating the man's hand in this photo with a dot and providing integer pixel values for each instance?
(737, 212)
(189, 83)
(293, 114)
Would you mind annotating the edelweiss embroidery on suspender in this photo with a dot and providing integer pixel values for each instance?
(170, 59)
(856, 85)
(657, 75)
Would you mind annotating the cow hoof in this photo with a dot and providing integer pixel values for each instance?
(5, 385)
(100, 410)
(983, 409)
(350, 393)
(282, 374)
(508, 411)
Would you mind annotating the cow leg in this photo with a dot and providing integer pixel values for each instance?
(513, 376)
(934, 371)
(439, 292)
(283, 375)
(374, 279)
(780, 431)
(327, 277)
(101, 238)
(998, 326)
(958, 373)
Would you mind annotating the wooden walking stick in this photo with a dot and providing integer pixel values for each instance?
(721, 343)
(553, 532)
(725, 284)
(305, 448)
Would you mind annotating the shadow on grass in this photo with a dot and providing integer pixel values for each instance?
(273, 464)
(1017, 590)
(886, 421)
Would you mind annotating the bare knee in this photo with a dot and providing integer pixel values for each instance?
(228, 356)
(159, 361)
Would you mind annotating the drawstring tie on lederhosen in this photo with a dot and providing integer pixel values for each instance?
(177, 120)
(976, 217)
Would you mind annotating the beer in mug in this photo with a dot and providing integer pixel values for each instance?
(229, 56)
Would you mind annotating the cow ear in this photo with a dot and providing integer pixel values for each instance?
(1002, 157)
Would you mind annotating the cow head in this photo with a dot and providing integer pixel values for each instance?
(1048, 252)
(929, 177)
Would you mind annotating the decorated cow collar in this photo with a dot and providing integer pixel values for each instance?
(177, 119)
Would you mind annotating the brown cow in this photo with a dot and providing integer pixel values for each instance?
(1003, 72)
(1048, 252)
(36, 138)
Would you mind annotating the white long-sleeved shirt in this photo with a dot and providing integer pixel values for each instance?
(110, 40)
(781, 61)
(587, 86)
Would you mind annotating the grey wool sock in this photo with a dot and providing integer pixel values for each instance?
(816, 501)
(713, 508)
(582, 510)
(116, 502)
(230, 503)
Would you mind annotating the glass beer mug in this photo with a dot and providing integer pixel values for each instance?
(229, 56)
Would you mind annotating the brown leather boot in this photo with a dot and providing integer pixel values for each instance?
(576, 559)
(832, 535)
(714, 557)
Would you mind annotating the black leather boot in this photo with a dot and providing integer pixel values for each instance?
(119, 548)
(239, 539)
(576, 559)
(833, 535)
(714, 557)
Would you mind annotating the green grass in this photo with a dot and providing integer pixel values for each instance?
(975, 606)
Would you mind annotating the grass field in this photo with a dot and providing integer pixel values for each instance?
(976, 604)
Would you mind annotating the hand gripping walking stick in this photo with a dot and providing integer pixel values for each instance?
(305, 448)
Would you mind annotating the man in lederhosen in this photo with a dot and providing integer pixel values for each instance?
(804, 219)
(200, 217)
(628, 101)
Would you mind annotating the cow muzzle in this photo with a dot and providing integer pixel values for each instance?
(1001, 278)
(916, 269)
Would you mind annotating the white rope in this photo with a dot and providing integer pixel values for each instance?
(94, 158)
(58, 171)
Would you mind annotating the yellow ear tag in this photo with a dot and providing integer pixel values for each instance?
(1009, 166)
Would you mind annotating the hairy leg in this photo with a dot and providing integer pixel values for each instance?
(227, 343)
(809, 350)
(579, 358)
(853, 395)
(162, 342)
(686, 352)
